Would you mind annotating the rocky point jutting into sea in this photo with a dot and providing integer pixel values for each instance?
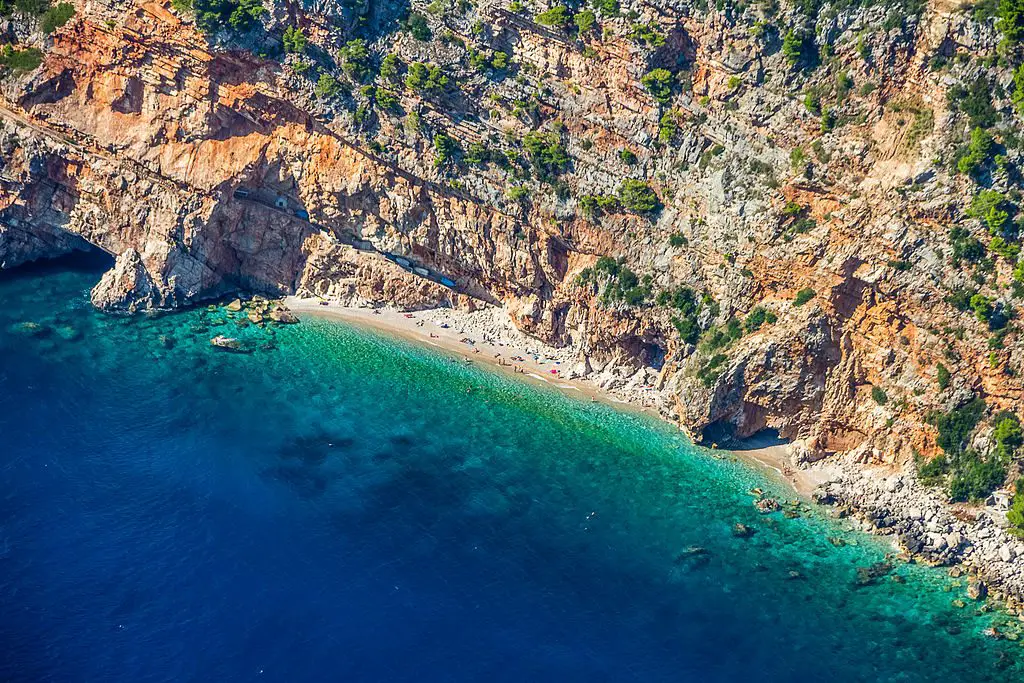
(790, 216)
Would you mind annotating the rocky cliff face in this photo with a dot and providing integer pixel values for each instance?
(804, 167)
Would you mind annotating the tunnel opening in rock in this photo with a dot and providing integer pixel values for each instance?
(766, 438)
(85, 259)
(718, 432)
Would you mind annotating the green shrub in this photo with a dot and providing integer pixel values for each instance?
(32, 8)
(993, 209)
(975, 477)
(685, 302)
(956, 426)
(1016, 513)
(354, 57)
(1007, 435)
(932, 472)
(627, 156)
(757, 318)
(445, 149)
(1010, 22)
(518, 192)
(960, 298)
(722, 336)
(294, 40)
(390, 67)
(983, 307)
(668, 126)
(812, 102)
(20, 61)
(646, 34)
(677, 239)
(1017, 96)
(1008, 250)
(976, 101)
(798, 48)
(327, 87)
(595, 205)
(416, 24)
(879, 396)
(711, 369)
(621, 283)
(547, 153)
(943, 376)
(500, 60)
(803, 296)
(558, 16)
(56, 16)
(239, 15)
(585, 20)
(426, 78)
(965, 246)
(638, 196)
(978, 153)
(659, 83)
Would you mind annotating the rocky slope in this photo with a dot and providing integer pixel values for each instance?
(807, 164)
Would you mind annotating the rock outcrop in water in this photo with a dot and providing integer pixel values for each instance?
(787, 217)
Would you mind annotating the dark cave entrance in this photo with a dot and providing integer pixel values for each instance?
(86, 260)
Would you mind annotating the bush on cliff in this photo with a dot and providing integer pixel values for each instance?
(956, 426)
(355, 60)
(558, 16)
(1016, 513)
(56, 16)
(547, 153)
(294, 40)
(445, 149)
(32, 8)
(932, 472)
(1007, 435)
(638, 196)
(757, 318)
(426, 78)
(974, 477)
(20, 61)
(803, 296)
(973, 159)
(327, 87)
(238, 15)
(416, 24)
(659, 83)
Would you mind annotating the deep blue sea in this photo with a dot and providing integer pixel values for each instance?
(340, 506)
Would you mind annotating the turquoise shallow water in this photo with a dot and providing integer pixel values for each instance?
(339, 505)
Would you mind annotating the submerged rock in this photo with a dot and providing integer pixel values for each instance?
(30, 329)
(740, 530)
(228, 343)
(693, 557)
(68, 333)
(869, 575)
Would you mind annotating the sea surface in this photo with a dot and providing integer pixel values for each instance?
(336, 505)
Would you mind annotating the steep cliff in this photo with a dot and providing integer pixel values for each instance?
(775, 213)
